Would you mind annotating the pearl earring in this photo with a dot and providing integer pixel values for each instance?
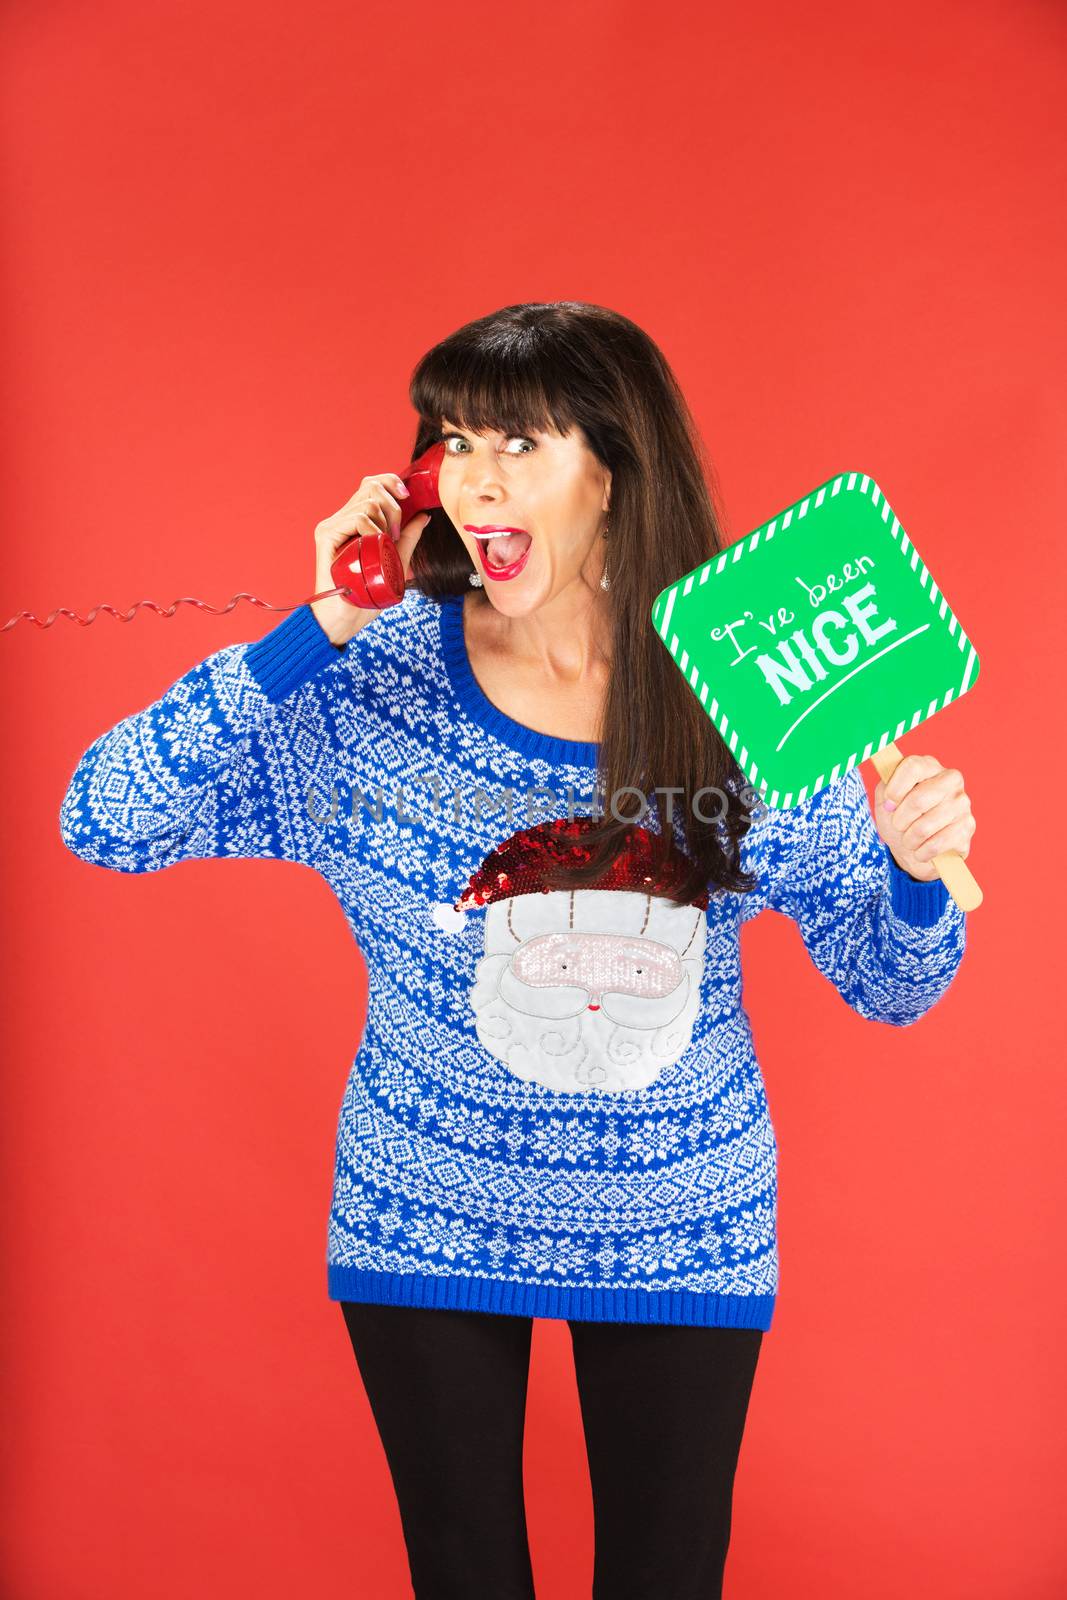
(476, 579)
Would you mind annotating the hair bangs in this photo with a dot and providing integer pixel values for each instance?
(512, 385)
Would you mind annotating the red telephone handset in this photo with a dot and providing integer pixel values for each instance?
(378, 580)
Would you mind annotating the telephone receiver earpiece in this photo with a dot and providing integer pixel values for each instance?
(378, 579)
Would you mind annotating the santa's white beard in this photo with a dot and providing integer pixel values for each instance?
(551, 1037)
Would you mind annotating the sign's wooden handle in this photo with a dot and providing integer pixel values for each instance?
(953, 871)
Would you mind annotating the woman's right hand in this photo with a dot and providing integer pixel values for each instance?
(375, 508)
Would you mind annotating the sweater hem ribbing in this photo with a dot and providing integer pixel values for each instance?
(292, 652)
(684, 1306)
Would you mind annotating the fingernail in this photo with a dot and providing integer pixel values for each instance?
(403, 492)
(890, 805)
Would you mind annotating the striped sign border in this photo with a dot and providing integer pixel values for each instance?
(664, 605)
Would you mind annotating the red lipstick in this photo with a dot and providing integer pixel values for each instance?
(483, 533)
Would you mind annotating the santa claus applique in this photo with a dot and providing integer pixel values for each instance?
(582, 989)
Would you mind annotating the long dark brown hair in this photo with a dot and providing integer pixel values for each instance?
(563, 365)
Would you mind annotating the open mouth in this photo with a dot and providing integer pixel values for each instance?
(504, 554)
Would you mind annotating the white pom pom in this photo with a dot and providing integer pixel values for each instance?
(447, 918)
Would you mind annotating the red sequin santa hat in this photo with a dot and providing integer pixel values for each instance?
(518, 866)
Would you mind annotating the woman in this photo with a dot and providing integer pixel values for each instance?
(555, 1109)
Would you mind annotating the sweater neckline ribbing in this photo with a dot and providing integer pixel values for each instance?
(476, 703)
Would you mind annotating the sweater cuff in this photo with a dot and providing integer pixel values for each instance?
(918, 901)
(292, 652)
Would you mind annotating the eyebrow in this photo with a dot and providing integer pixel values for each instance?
(451, 427)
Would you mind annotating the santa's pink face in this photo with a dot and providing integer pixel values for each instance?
(599, 963)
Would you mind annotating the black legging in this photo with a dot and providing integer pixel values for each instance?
(663, 1409)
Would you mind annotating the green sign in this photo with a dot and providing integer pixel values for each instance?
(816, 639)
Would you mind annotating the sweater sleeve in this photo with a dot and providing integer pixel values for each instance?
(220, 765)
(889, 943)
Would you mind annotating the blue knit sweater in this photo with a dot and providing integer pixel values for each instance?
(555, 1108)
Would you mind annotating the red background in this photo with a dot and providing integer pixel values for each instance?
(231, 232)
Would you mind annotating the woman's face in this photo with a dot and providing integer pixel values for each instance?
(549, 486)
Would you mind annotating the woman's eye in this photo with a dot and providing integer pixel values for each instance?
(517, 439)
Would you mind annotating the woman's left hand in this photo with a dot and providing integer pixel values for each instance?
(923, 810)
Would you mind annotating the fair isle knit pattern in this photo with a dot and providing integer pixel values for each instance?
(555, 1108)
